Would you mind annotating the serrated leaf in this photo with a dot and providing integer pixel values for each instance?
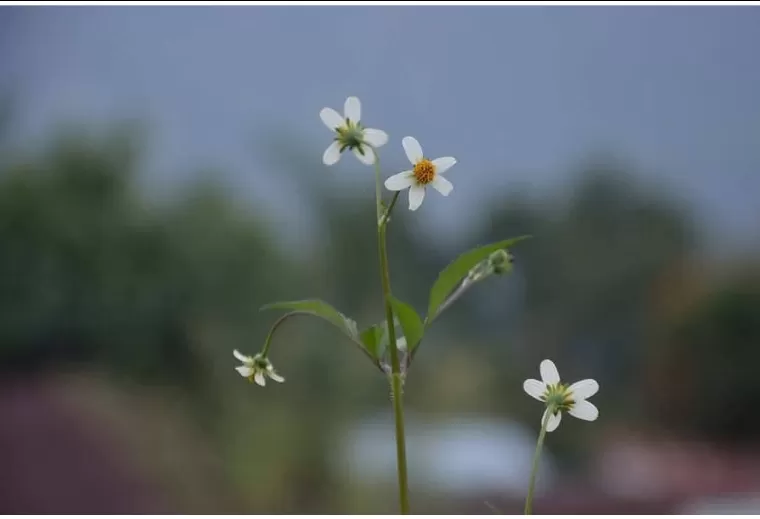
(450, 277)
(410, 323)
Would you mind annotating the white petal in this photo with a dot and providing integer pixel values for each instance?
(400, 181)
(416, 196)
(442, 185)
(368, 157)
(444, 163)
(242, 358)
(331, 118)
(375, 137)
(549, 373)
(245, 371)
(535, 388)
(413, 149)
(276, 376)
(553, 422)
(352, 109)
(260, 380)
(584, 389)
(332, 154)
(584, 410)
(401, 343)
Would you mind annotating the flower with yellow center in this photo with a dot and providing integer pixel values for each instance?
(423, 173)
(351, 134)
(559, 397)
(255, 369)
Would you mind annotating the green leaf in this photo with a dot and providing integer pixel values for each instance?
(384, 332)
(410, 323)
(320, 309)
(450, 277)
(372, 338)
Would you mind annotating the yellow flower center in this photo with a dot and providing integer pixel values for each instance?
(424, 172)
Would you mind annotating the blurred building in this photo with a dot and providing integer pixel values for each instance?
(456, 457)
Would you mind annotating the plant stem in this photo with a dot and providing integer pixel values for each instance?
(384, 219)
(396, 381)
(378, 188)
(536, 456)
(277, 323)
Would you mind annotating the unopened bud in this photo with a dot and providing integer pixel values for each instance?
(501, 261)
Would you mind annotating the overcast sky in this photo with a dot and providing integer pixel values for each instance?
(518, 94)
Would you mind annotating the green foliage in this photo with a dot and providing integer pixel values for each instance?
(320, 309)
(712, 360)
(372, 339)
(328, 313)
(410, 323)
(585, 281)
(453, 274)
(90, 272)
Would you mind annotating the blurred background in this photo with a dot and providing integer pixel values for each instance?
(161, 180)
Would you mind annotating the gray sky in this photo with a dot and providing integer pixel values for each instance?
(518, 94)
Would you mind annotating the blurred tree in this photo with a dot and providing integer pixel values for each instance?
(706, 383)
(91, 272)
(581, 285)
(589, 267)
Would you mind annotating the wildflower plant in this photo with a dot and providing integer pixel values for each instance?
(392, 344)
(557, 397)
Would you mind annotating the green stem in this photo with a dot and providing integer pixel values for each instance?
(378, 188)
(386, 216)
(277, 323)
(536, 456)
(396, 381)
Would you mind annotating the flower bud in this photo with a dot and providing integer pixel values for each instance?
(501, 261)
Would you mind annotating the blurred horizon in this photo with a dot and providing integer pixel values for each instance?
(161, 180)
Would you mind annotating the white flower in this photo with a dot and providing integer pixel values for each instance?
(562, 398)
(424, 172)
(350, 134)
(255, 368)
